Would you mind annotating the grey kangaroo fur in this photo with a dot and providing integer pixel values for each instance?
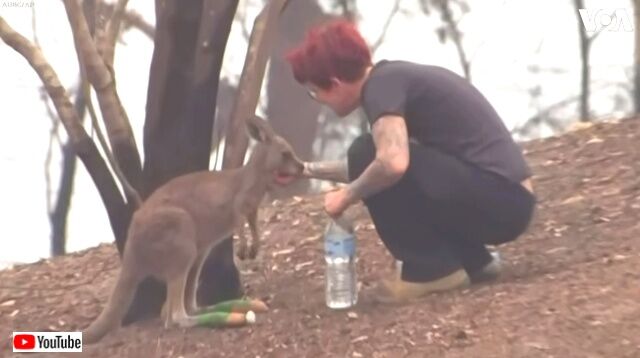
(173, 231)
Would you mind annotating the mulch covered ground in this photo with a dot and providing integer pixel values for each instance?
(571, 286)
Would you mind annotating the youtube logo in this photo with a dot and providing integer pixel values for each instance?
(24, 341)
(47, 341)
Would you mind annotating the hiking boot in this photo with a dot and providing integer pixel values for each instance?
(395, 290)
(490, 272)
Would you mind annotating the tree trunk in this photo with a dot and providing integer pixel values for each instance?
(58, 217)
(585, 44)
(636, 62)
(181, 101)
(297, 123)
(258, 50)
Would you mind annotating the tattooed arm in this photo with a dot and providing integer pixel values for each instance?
(337, 170)
(392, 158)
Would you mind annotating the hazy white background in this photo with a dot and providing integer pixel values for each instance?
(503, 38)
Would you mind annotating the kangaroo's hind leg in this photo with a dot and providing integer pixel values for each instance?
(175, 295)
(243, 246)
(252, 219)
(170, 252)
(191, 289)
(174, 306)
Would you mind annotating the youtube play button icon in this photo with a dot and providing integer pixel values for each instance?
(24, 341)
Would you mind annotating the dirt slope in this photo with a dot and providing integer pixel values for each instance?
(571, 288)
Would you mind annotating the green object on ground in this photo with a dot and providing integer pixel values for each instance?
(225, 319)
(212, 319)
(238, 305)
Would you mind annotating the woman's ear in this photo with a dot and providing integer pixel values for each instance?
(335, 82)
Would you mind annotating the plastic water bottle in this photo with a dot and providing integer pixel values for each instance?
(341, 288)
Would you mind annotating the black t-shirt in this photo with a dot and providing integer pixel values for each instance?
(445, 111)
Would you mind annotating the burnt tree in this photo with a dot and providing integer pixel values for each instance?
(189, 47)
(181, 101)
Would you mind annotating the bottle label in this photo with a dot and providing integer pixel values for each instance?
(340, 246)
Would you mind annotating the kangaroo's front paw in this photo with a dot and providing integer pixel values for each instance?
(253, 251)
(243, 251)
(165, 316)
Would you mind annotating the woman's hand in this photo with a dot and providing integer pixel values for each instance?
(337, 201)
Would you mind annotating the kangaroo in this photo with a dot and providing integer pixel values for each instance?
(173, 231)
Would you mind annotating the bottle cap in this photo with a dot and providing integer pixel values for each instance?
(250, 317)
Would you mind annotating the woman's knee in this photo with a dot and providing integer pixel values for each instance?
(361, 153)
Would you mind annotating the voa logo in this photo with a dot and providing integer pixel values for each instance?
(613, 20)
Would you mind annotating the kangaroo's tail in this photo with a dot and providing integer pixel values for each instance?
(116, 307)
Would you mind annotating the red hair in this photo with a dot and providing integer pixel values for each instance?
(335, 49)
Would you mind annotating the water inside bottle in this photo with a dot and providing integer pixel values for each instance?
(341, 281)
(341, 287)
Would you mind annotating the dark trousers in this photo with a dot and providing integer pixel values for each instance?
(441, 214)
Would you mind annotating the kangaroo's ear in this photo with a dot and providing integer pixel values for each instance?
(259, 129)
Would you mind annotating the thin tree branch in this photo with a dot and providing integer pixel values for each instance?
(447, 16)
(53, 132)
(107, 46)
(135, 20)
(102, 79)
(107, 43)
(548, 110)
(53, 137)
(348, 11)
(34, 27)
(242, 18)
(385, 28)
(129, 190)
(118, 212)
(544, 113)
(248, 94)
(595, 35)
